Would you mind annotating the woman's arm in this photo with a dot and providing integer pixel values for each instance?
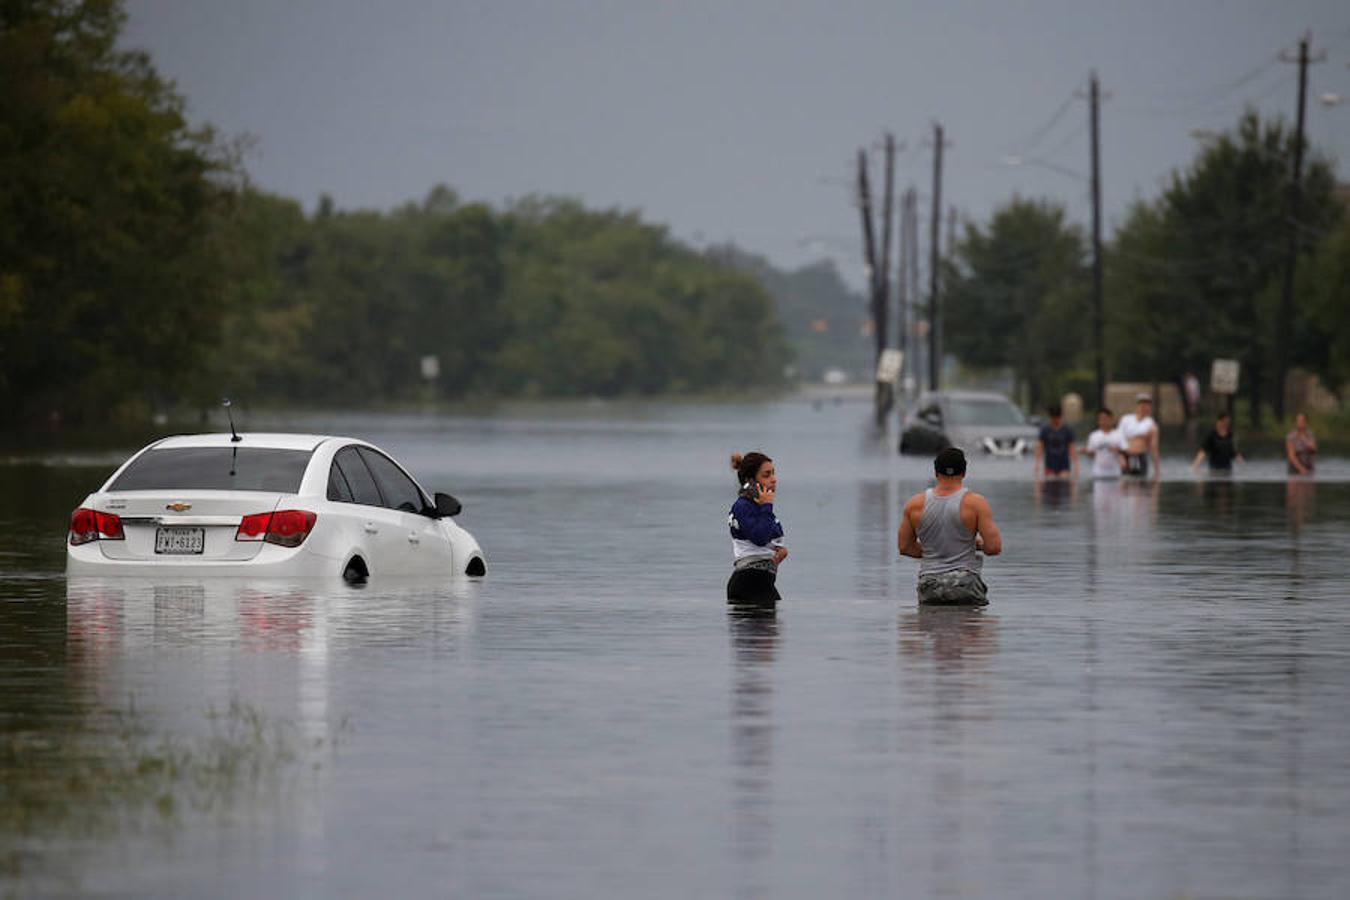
(756, 522)
(1292, 457)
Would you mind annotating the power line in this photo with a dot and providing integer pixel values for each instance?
(1219, 97)
(1068, 138)
(1039, 134)
(1193, 103)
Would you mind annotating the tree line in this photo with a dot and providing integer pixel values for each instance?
(140, 270)
(1192, 275)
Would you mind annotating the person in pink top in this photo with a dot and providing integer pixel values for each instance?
(1300, 446)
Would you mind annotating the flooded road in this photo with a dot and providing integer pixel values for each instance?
(1153, 705)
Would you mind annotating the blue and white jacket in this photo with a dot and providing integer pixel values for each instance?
(755, 533)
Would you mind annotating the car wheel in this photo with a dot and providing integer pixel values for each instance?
(356, 572)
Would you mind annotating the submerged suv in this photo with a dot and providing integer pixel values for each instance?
(972, 420)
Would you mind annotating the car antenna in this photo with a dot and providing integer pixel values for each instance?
(234, 435)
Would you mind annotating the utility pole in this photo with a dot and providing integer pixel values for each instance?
(881, 295)
(1094, 96)
(915, 282)
(902, 282)
(878, 266)
(934, 302)
(1284, 325)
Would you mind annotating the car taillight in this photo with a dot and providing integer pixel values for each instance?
(285, 527)
(91, 525)
(290, 527)
(253, 528)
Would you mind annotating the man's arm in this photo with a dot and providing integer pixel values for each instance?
(1040, 448)
(907, 539)
(991, 542)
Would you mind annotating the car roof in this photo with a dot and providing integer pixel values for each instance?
(257, 440)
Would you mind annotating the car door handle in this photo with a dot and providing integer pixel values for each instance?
(414, 538)
(370, 528)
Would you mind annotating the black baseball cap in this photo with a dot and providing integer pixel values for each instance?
(950, 462)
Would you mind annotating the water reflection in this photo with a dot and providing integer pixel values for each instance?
(946, 652)
(1055, 493)
(1300, 496)
(873, 569)
(755, 636)
(289, 618)
(1217, 495)
(953, 637)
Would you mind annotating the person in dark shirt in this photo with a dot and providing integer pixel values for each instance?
(1220, 447)
(1055, 456)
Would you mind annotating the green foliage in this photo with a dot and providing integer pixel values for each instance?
(108, 287)
(1195, 274)
(601, 303)
(1322, 335)
(1017, 295)
(822, 319)
(1192, 275)
(544, 299)
(139, 270)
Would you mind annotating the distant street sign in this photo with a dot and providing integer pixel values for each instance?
(1223, 377)
(889, 366)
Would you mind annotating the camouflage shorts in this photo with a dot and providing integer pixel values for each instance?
(952, 588)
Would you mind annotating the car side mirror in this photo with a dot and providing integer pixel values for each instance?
(447, 506)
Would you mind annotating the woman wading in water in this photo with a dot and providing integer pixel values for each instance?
(757, 545)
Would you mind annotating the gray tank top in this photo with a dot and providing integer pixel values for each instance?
(947, 544)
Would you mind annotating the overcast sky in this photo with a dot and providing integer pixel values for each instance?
(733, 120)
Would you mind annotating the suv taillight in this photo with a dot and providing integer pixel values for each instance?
(91, 525)
(285, 527)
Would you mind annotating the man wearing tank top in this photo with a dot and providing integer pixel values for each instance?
(946, 528)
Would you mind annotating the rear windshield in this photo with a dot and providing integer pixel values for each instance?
(215, 469)
(986, 412)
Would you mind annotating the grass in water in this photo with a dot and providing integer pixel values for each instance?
(113, 774)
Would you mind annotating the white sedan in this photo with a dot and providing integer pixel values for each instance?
(267, 504)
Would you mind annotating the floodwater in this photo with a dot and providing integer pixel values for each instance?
(1154, 704)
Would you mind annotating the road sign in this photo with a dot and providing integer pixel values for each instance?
(889, 366)
(1223, 377)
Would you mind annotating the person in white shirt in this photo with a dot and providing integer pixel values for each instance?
(1141, 438)
(1106, 446)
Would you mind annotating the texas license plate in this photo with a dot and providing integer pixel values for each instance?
(180, 541)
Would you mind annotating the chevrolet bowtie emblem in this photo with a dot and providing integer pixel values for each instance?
(179, 506)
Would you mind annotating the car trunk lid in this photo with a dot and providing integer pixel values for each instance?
(168, 525)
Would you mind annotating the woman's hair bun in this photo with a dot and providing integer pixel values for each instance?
(736, 460)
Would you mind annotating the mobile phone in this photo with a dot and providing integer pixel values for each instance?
(750, 490)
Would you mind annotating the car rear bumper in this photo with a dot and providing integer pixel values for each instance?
(271, 560)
